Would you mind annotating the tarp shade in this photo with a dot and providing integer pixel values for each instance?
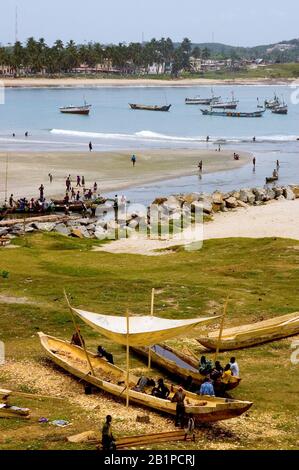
(143, 331)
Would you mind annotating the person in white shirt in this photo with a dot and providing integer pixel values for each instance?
(234, 367)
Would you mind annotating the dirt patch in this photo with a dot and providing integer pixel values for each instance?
(5, 299)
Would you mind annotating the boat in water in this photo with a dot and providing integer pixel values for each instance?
(112, 379)
(202, 101)
(280, 109)
(270, 104)
(244, 336)
(182, 365)
(145, 107)
(236, 114)
(225, 104)
(83, 110)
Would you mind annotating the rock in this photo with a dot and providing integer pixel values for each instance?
(112, 225)
(100, 233)
(62, 229)
(280, 198)
(80, 232)
(231, 202)
(242, 204)
(217, 197)
(246, 195)
(288, 193)
(189, 198)
(143, 419)
(295, 190)
(259, 194)
(206, 201)
(278, 191)
(235, 194)
(43, 226)
(269, 194)
(3, 231)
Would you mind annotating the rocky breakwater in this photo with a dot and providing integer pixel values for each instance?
(112, 222)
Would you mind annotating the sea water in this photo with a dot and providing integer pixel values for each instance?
(112, 125)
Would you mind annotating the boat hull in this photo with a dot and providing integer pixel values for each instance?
(235, 114)
(150, 108)
(176, 364)
(73, 359)
(250, 335)
(83, 110)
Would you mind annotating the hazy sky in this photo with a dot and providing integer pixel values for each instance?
(235, 22)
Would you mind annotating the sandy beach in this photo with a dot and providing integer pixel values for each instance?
(274, 219)
(134, 82)
(111, 170)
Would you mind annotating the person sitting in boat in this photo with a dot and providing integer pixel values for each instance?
(205, 366)
(103, 353)
(161, 391)
(217, 372)
(227, 374)
(275, 173)
(142, 383)
(207, 388)
(108, 441)
(234, 367)
(77, 339)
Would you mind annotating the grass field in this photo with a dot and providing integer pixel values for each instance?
(260, 276)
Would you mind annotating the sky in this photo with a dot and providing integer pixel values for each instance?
(234, 22)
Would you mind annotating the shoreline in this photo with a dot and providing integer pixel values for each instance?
(135, 82)
(112, 171)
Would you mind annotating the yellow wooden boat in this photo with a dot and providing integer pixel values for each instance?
(181, 365)
(112, 379)
(10, 411)
(255, 333)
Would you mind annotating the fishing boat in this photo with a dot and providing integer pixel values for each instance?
(245, 336)
(271, 179)
(150, 107)
(270, 104)
(84, 110)
(236, 114)
(280, 109)
(11, 411)
(225, 105)
(112, 379)
(181, 365)
(202, 101)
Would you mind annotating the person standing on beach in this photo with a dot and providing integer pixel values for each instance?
(133, 159)
(68, 183)
(277, 164)
(200, 166)
(50, 177)
(208, 138)
(26, 134)
(90, 146)
(41, 192)
(95, 187)
(254, 161)
(254, 139)
(11, 201)
(219, 148)
(78, 196)
(83, 181)
(78, 180)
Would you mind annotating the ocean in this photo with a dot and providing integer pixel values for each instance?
(112, 125)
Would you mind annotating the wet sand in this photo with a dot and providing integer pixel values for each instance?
(111, 170)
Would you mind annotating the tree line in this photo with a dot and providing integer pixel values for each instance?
(36, 55)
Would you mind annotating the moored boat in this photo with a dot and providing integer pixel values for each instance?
(225, 105)
(181, 365)
(202, 101)
(112, 379)
(270, 104)
(280, 109)
(84, 110)
(271, 179)
(236, 114)
(150, 107)
(255, 333)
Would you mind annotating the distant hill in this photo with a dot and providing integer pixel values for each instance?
(284, 51)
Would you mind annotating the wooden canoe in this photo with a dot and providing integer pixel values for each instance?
(180, 365)
(10, 411)
(255, 333)
(111, 379)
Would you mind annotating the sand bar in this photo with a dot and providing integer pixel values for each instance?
(136, 82)
(111, 170)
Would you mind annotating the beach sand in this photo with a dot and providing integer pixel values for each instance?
(111, 170)
(274, 219)
(113, 82)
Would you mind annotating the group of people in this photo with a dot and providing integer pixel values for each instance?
(216, 374)
(29, 205)
(73, 193)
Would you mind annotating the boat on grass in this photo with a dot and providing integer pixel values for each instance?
(181, 365)
(245, 336)
(236, 114)
(112, 379)
(146, 107)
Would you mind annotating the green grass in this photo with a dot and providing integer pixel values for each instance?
(260, 276)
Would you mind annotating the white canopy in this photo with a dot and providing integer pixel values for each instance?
(143, 331)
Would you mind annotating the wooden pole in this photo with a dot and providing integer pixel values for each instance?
(152, 314)
(128, 359)
(221, 329)
(79, 334)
